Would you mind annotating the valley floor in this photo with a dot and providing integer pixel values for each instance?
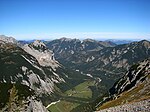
(80, 94)
(142, 106)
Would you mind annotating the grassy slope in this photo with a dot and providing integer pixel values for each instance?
(74, 97)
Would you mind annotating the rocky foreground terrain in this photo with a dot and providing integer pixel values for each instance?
(132, 92)
(142, 106)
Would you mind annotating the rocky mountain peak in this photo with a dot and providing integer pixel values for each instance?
(39, 46)
(145, 43)
(44, 56)
(99, 43)
(110, 43)
(38, 43)
(89, 40)
(8, 39)
(65, 39)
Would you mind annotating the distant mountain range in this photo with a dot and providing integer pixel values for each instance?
(118, 42)
(115, 41)
(33, 74)
(100, 59)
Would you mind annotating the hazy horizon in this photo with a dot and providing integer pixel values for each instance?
(97, 39)
(81, 36)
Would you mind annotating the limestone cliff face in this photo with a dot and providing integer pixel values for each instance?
(137, 75)
(133, 87)
(44, 56)
(8, 39)
(19, 66)
(33, 68)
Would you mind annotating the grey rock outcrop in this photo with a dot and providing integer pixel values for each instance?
(137, 74)
(44, 56)
(22, 68)
(8, 39)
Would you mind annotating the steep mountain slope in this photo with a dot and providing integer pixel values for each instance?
(68, 51)
(107, 63)
(32, 77)
(125, 55)
(111, 63)
(44, 56)
(119, 57)
(77, 45)
(34, 69)
(19, 66)
(102, 59)
(134, 86)
(77, 55)
(19, 98)
(15, 69)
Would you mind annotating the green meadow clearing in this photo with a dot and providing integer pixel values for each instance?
(72, 98)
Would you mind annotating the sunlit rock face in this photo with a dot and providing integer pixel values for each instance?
(8, 39)
(34, 70)
(18, 66)
(138, 74)
(44, 56)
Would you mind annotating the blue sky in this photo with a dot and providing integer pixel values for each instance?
(98, 19)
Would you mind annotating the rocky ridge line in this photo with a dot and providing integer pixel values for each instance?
(142, 106)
